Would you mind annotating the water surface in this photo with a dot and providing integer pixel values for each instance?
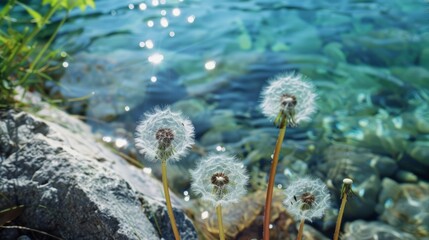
(210, 59)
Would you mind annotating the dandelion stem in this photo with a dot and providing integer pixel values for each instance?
(301, 229)
(270, 188)
(220, 222)
(346, 189)
(340, 216)
(168, 201)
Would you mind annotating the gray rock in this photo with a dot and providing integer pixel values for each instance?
(65, 192)
(71, 186)
(23, 237)
(158, 216)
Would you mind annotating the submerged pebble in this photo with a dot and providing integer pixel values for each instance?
(408, 207)
(359, 230)
(406, 176)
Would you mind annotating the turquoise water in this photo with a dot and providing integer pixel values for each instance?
(369, 61)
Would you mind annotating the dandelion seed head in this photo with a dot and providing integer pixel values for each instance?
(307, 198)
(164, 134)
(219, 179)
(288, 102)
(289, 93)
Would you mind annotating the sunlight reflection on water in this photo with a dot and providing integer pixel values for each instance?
(142, 6)
(156, 58)
(176, 12)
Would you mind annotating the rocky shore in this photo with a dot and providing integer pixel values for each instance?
(73, 187)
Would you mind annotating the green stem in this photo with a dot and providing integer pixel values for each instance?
(42, 52)
(270, 188)
(220, 222)
(340, 216)
(301, 229)
(168, 201)
(6, 9)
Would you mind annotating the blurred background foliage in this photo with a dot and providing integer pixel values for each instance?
(27, 30)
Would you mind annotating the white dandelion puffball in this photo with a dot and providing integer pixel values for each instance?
(289, 92)
(307, 198)
(164, 131)
(219, 179)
